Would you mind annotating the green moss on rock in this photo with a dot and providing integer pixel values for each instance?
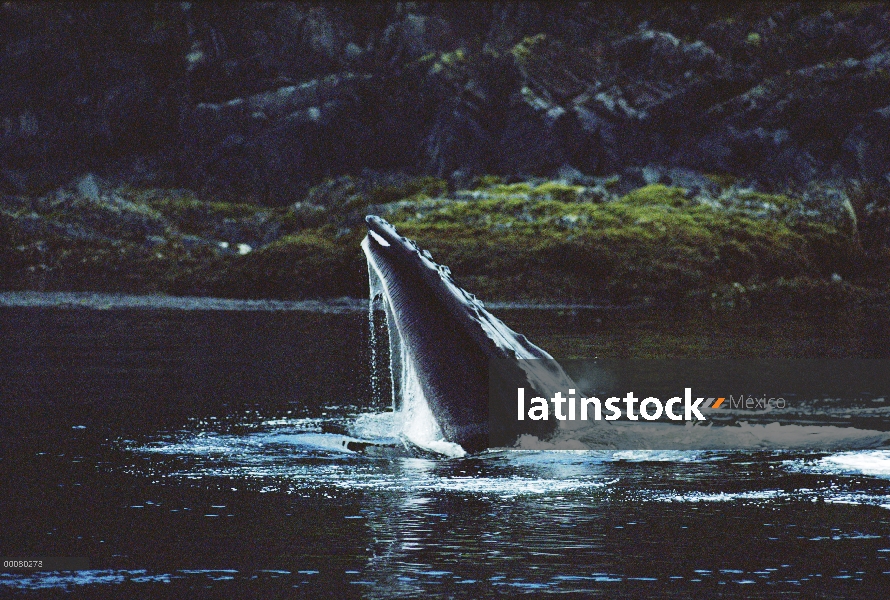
(780, 202)
(724, 180)
(525, 49)
(311, 264)
(555, 190)
(657, 194)
(519, 241)
(194, 216)
(485, 181)
(643, 245)
(348, 194)
(430, 187)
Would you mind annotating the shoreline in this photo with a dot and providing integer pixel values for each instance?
(115, 301)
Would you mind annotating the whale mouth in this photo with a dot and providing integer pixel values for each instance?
(384, 234)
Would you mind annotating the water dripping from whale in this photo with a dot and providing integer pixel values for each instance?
(441, 339)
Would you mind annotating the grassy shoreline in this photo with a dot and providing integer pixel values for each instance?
(536, 241)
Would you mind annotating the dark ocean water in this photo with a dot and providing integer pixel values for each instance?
(200, 453)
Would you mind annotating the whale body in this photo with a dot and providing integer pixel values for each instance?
(445, 340)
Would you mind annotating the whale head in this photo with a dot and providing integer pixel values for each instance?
(449, 339)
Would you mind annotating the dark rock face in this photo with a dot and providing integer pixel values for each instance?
(262, 100)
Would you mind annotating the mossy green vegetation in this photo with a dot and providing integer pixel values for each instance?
(48, 259)
(311, 264)
(449, 59)
(846, 9)
(724, 180)
(426, 187)
(657, 194)
(346, 194)
(510, 189)
(554, 190)
(197, 217)
(524, 50)
(529, 241)
(780, 202)
(485, 181)
(642, 245)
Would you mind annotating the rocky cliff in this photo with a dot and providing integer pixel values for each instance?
(716, 152)
(259, 101)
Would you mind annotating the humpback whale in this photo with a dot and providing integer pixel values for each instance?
(442, 342)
